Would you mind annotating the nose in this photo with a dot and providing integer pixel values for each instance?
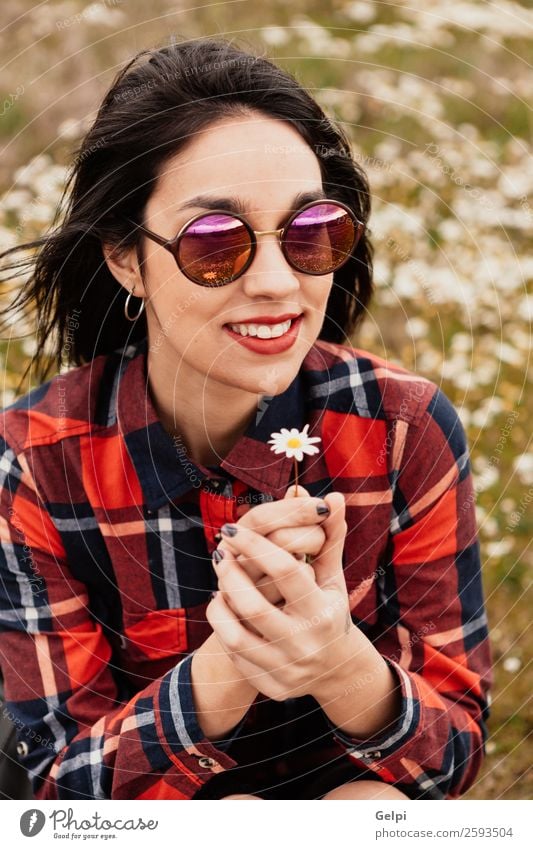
(270, 275)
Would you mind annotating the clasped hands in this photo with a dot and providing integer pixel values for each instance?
(286, 624)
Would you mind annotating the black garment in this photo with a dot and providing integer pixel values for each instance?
(14, 782)
(296, 757)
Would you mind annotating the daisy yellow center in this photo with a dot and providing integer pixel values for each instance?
(294, 442)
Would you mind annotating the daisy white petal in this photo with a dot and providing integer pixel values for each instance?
(294, 443)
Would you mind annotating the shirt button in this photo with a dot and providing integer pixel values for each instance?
(214, 485)
(22, 749)
(208, 762)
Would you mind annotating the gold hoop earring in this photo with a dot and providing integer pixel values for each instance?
(129, 317)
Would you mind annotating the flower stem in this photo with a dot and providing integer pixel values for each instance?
(295, 478)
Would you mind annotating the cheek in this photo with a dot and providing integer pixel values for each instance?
(198, 333)
(318, 300)
(194, 315)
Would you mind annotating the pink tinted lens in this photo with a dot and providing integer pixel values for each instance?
(321, 238)
(213, 250)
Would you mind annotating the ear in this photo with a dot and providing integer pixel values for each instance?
(124, 266)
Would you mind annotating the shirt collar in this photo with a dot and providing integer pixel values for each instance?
(166, 473)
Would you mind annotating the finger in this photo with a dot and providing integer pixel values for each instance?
(270, 590)
(238, 639)
(228, 628)
(258, 678)
(289, 512)
(252, 569)
(271, 594)
(294, 583)
(264, 584)
(298, 541)
(246, 600)
(295, 492)
(328, 565)
(302, 540)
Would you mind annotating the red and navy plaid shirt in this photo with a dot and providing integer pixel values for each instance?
(107, 530)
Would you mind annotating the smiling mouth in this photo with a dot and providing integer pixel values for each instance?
(263, 331)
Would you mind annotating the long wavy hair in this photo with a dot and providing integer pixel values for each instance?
(156, 104)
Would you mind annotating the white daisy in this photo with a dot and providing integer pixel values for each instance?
(293, 443)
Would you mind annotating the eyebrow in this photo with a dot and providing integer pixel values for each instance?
(235, 204)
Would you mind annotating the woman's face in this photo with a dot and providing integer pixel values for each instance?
(264, 163)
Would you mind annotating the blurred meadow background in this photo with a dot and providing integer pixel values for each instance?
(437, 103)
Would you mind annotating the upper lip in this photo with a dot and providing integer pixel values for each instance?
(267, 319)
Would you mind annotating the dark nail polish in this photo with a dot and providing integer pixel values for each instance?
(218, 537)
(228, 530)
(322, 509)
(217, 555)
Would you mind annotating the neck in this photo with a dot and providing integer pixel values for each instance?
(206, 416)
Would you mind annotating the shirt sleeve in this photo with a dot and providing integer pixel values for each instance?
(430, 598)
(80, 735)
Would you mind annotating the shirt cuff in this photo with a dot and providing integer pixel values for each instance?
(183, 736)
(405, 728)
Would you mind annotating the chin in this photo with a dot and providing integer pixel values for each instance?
(270, 380)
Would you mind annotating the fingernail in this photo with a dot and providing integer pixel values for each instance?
(214, 594)
(217, 555)
(322, 509)
(218, 537)
(228, 530)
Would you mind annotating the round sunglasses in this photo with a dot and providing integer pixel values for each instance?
(214, 248)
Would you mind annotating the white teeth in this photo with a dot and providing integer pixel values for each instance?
(262, 331)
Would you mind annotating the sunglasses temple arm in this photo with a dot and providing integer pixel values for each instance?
(159, 239)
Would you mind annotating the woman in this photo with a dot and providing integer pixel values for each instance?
(346, 653)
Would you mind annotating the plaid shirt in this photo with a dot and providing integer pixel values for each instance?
(106, 533)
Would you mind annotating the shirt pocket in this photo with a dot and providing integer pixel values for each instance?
(159, 639)
(153, 643)
(158, 633)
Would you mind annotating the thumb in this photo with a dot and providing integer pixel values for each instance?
(328, 563)
(291, 491)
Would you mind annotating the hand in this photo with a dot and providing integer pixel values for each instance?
(290, 534)
(297, 648)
